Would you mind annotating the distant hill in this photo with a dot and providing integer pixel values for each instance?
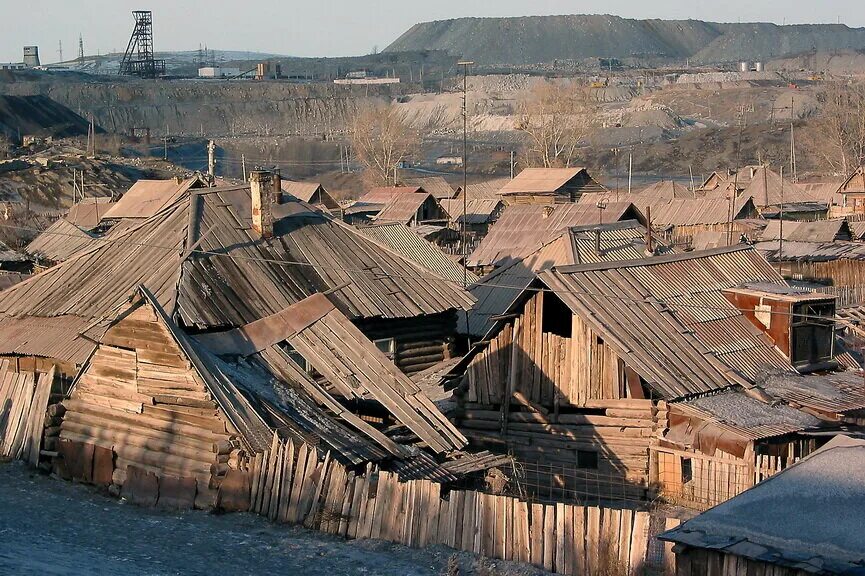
(38, 116)
(535, 39)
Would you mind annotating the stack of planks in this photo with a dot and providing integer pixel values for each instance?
(24, 400)
(141, 400)
(298, 484)
(545, 367)
(618, 431)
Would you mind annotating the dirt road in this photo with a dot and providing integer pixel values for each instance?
(51, 527)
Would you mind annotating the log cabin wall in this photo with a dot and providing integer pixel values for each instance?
(419, 343)
(570, 423)
(141, 418)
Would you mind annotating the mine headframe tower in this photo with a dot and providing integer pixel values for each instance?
(138, 59)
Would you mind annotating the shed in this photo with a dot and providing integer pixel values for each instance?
(549, 185)
(313, 193)
(412, 210)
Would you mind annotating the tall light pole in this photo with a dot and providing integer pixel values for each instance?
(465, 64)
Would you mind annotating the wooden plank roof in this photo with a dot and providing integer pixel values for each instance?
(350, 362)
(667, 318)
(59, 241)
(403, 208)
(540, 180)
(146, 197)
(89, 213)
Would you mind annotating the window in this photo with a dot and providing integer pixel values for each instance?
(812, 337)
(387, 346)
(587, 459)
(556, 316)
(687, 471)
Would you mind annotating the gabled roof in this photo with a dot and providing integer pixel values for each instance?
(352, 364)
(668, 190)
(489, 189)
(410, 244)
(808, 517)
(767, 188)
(813, 231)
(310, 192)
(667, 318)
(403, 208)
(477, 211)
(89, 213)
(59, 241)
(522, 227)
(811, 251)
(855, 183)
(496, 291)
(540, 180)
(213, 271)
(435, 185)
(146, 197)
(709, 210)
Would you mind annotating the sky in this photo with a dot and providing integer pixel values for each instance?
(338, 27)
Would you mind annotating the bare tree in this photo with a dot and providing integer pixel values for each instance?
(840, 135)
(381, 138)
(555, 118)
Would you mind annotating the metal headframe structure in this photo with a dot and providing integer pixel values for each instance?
(138, 59)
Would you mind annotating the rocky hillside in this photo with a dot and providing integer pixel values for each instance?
(535, 39)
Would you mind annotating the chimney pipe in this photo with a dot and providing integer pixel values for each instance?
(650, 248)
(597, 240)
(261, 184)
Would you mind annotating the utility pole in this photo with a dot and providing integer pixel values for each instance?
(243, 164)
(60, 49)
(792, 144)
(465, 64)
(781, 225)
(165, 147)
(630, 169)
(211, 160)
(512, 164)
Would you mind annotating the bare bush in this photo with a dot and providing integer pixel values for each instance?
(839, 138)
(556, 118)
(381, 138)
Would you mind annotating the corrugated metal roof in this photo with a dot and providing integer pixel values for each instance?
(56, 337)
(409, 243)
(146, 197)
(766, 188)
(59, 241)
(521, 228)
(811, 251)
(487, 189)
(680, 212)
(668, 190)
(667, 318)
(540, 180)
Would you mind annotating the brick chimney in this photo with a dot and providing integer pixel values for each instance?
(266, 191)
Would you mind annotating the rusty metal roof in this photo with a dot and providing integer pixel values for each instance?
(410, 244)
(146, 197)
(667, 318)
(521, 228)
(540, 180)
(59, 241)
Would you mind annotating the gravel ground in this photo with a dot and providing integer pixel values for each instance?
(51, 527)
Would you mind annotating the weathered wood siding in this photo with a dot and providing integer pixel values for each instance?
(546, 368)
(420, 342)
(139, 411)
(692, 561)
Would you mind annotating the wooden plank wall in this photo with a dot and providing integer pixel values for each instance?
(545, 367)
(713, 479)
(299, 485)
(140, 400)
(24, 400)
(693, 561)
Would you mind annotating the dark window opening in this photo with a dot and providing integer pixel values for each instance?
(812, 337)
(556, 316)
(687, 470)
(587, 459)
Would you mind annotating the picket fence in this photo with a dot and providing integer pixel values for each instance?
(292, 484)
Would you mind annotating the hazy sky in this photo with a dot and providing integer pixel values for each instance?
(338, 27)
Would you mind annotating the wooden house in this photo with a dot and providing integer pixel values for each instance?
(413, 209)
(479, 216)
(313, 193)
(837, 264)
(435, 185)
(366, 208)
(852, 192)
(586, 372)
(804, 521)
(215, 262)
(520, 229)
(549, 186)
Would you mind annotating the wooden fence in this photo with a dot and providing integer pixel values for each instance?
(293, 484)
(23, 403)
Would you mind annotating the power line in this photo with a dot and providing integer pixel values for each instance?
(382, 274)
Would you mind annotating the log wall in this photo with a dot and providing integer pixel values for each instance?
(420, 342)
(140, 412)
